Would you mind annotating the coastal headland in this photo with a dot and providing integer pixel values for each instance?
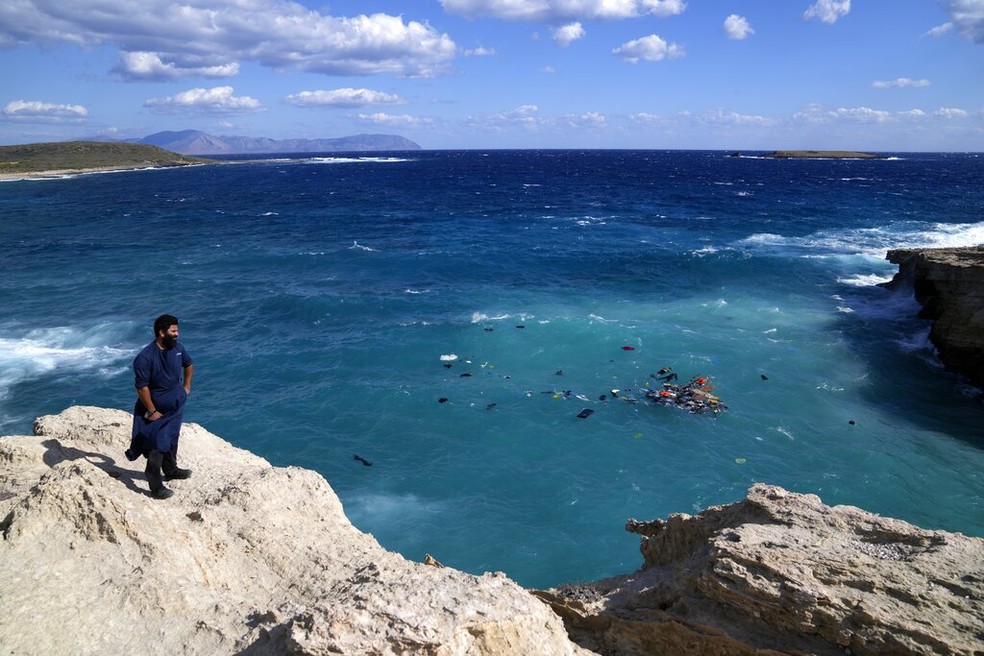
(248, 558)
(949, 284)
(52, 160)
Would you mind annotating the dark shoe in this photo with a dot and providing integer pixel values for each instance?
(177, 474)
(131, 455)
(163, 493)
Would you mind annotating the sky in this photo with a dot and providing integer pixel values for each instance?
(877, 75)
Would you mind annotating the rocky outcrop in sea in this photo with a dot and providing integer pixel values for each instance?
(252, 559)
(949, 284)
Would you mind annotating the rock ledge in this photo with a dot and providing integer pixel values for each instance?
(246, 558)
(783, 573)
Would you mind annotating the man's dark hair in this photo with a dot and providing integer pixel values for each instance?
(164, 322)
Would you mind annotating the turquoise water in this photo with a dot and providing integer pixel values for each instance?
(323, 297)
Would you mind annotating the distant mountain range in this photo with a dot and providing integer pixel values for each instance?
(195, 142)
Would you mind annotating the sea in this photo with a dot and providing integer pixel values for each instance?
(426, 329)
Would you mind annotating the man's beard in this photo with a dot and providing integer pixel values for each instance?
(169, 341)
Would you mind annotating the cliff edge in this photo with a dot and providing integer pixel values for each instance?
(246, 558)
(256, 560)
(949, 284)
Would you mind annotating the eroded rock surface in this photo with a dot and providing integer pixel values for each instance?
(949, 283)
(245, 558)
(783, 573)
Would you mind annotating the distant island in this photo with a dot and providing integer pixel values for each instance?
(196, 142)
(166, 149)
(820, 154)
(54, 159)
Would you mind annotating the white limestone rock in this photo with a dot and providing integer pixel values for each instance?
(244, 558)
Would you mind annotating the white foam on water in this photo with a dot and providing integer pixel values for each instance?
(357, 246)
(873, 242)
(864, 280)
(916, 342)
(478, 317)
(43, 351)
(386, 508)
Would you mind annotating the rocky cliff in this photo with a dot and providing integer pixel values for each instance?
(246, 558)
(252, 559)
(783, 573)
(949, 283)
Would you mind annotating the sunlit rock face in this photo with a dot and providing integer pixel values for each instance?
(244, 558)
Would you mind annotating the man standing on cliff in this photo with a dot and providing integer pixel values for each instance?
(162, 375)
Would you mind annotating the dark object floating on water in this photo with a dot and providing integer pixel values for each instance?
(694, 396)
(584, 414)
(488, 330)
(603, 397)
(362, 460)
(628, 348)
(559, 372)
(664, 370)
(447, 365)
(465, 375)
(852, 422)
(521, 327)
(764, 377)
(490, 406)
(443, 399)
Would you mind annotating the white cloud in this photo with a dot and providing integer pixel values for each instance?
(587, 120)
(722, 117)
(899, 83)
(737, 27)
(828, 11)
(951, 112)
(150, 66)
(559, 10)
(205, 37)
(480, 51)
(940, 30)
(524, 116)
(214, 100)
(344, 97)
(912, 113)
(817, 114)
(398, 120)
(35, 110)
(648, 48)
(646, 118)
(565, 35)
(967, 18)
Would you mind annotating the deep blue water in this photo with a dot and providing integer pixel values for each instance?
(318, 296)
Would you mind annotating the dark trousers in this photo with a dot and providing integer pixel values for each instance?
(158, 461)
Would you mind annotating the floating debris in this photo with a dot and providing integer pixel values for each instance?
(693, 396)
